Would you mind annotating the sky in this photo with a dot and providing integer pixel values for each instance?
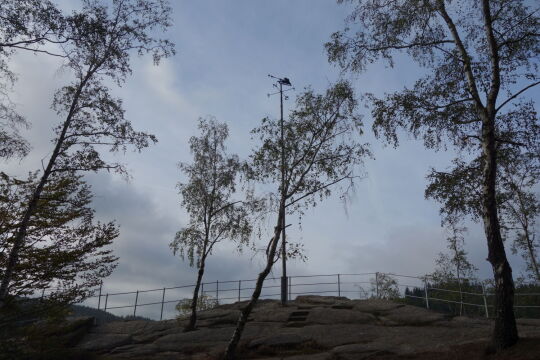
(225, 50)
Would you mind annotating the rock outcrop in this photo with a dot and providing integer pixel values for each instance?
(311, 327)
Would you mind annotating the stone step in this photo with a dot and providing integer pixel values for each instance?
(296, 316)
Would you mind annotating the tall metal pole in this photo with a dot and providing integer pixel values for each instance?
(283, 242)
(283, 190)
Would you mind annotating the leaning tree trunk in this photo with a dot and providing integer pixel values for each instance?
(20, 235)
(193, 318)
(230, 353)
(505, 332)
(532, 255)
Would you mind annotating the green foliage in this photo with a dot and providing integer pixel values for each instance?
(208, 196)
(67, 253)
(384, 286)
(320, 143)
(25, 25)
(47, 339)
(204, 302)
(454, 265)
(478, 61)
(100, 38)
(445, 297)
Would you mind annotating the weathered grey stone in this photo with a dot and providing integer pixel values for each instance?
(338, 316)
(411, 316)
(122, 327)
(318, 356)
(134, 350)
(375, 306)
(359, 349)
(217, 317)
(216, 313)
(280, 340)
(104, 342)
(333, 328)
(321, 300)
(330, 336)
(173, 342)
(271, 315)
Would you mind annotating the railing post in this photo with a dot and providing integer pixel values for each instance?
(202, 289)
(135, 307)
(99, 296)
(42, 295)
(338, 285)
(290, 288)
(217, 291)
(106, 301)
(376, 285)
(162, 302)
(485, 300)
(426, 293)
(239, 289)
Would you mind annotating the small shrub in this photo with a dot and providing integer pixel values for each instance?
(205, 302)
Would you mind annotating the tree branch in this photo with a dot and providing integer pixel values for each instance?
(517, 94)
(461, 48)
(348, 176)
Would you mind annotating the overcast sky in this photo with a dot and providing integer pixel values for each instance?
(225, 49)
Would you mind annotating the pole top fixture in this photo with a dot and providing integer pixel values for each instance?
(283, 81)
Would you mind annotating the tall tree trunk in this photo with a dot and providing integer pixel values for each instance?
(20, 235)
(460, 296)
(527, 234)
(230, 353)
(193, 318)
(532, 255)
(505, 332)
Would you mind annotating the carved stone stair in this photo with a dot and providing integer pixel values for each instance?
(297, 319)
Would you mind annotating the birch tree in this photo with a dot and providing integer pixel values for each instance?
(454, 266)
(215, 214)
(480, 59)
(25, 25)
(104, 36)
(322, 153)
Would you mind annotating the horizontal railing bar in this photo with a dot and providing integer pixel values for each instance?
(456, 291)
(121, 293)
(152, 303)
(314, 292)
(413, 286)
(332, 283)
(335, 279)
(326, 275)
(119, 307)
(456, 302)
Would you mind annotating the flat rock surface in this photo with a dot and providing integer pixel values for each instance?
(311, 327)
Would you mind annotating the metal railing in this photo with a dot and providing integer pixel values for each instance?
(350, 285)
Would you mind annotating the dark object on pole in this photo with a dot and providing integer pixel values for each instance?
(283, 81)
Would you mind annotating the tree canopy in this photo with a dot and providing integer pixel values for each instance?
(101, 38)
(322, 155)
(67, 253)
(216, 213)
(479, 60)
